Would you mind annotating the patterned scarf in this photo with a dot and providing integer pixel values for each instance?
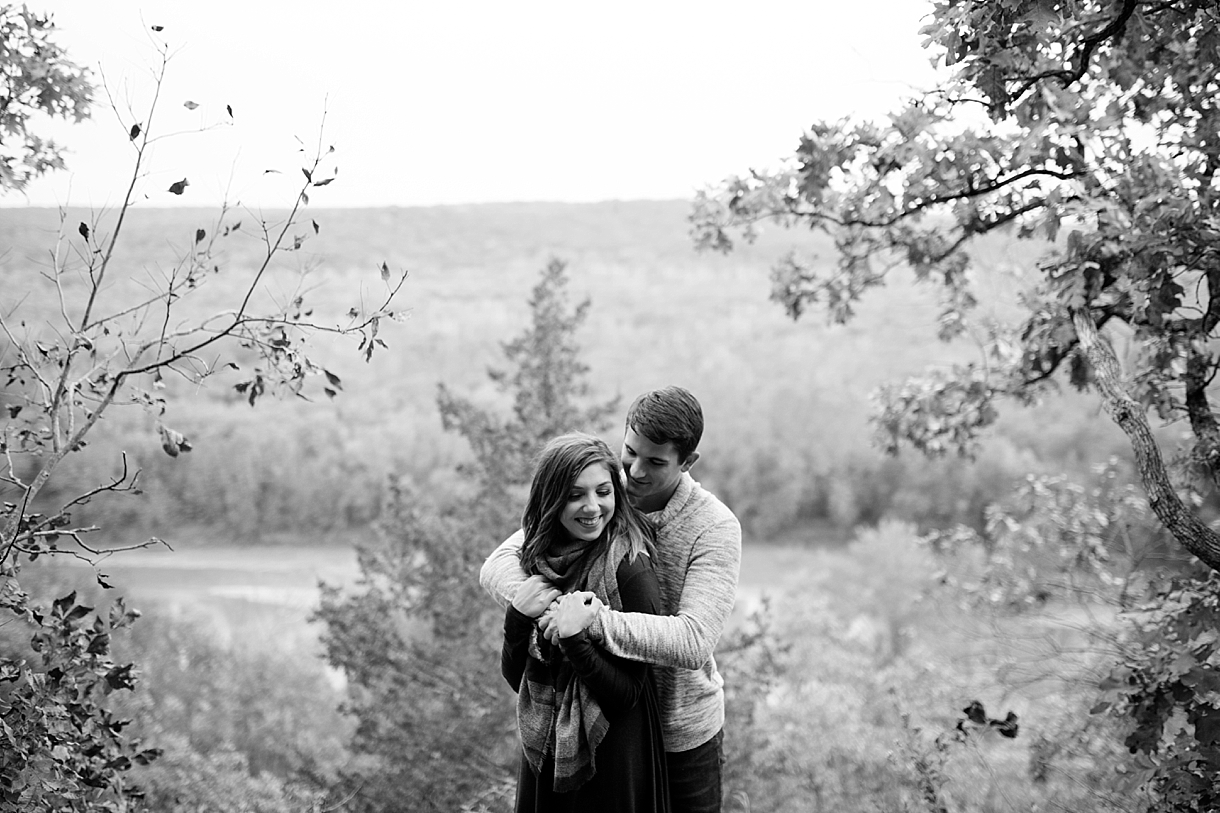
(556, 712)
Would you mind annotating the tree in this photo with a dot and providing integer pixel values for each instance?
(36, 79)
(98, 338)
(548, 378)
(1089, 127)
(419, 644)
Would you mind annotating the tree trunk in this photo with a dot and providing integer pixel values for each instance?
(1199, 409)
(1132, 418)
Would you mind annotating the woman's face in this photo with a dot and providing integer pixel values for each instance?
(590, 504)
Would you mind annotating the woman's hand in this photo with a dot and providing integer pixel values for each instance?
(574, 613)
(534, 595)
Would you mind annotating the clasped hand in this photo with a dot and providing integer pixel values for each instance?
(559, 616)
(570, 614)
(534, 596)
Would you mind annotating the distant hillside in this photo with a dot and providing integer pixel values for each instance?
(783, 400)
(661, 311)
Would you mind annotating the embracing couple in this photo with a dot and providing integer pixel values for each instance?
(617, 588)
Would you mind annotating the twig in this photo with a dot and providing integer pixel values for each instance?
(342, 802)
(238, 319)
(158, 79)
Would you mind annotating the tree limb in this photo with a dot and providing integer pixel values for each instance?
(1089, 44)
(1181, 522)
(1203, 424)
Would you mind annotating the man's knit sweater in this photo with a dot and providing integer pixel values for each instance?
(698, 559)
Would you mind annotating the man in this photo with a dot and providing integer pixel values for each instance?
(697, 563)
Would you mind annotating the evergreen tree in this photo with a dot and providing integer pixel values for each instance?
(420, 642)
(546, 380)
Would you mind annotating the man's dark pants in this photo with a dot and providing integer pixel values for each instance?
(694, 777)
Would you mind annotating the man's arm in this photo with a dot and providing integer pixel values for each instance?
(615, 682)
(501, 574)
(685, 640)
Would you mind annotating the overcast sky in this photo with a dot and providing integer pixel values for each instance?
(442, 101)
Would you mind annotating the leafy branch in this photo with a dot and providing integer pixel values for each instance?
(77, 376)
(1084, 51)
(98, 336)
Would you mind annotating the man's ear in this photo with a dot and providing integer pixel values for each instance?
(690, 461)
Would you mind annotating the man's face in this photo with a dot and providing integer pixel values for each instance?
(652, 470)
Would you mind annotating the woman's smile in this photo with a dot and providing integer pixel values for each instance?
(590, 504)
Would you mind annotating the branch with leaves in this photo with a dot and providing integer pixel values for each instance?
(97, 337)
(97, 358)
(36, 79)
(1109, 164)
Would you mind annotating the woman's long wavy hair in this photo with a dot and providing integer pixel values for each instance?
(558, 465)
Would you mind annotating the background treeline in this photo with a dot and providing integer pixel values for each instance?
(788, 446)
(847, 693)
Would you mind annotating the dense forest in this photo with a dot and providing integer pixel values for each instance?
(789, 443)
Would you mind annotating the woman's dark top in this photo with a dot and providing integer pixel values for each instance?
(631, 776)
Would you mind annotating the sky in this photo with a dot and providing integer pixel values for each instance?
(432, 102)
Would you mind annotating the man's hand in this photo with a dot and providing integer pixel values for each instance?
(534, 595)
(575, 612)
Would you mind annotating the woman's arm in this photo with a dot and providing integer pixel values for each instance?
(533, 597)
(517, 630)
(615, 682)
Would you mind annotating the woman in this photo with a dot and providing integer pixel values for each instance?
(589, 722)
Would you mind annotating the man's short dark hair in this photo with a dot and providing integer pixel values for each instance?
(668, 415)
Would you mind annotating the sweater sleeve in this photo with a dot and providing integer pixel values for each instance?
(517, 630)
(501, 574)
(686, 639)
(616, 682)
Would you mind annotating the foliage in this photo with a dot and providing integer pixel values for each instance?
(1087, 125)
(422, 685)
(1054, 538)
(419, 643)
(113, 340)
(862, 714)
(207, 697)
(239, 724)
(184, 781)
(1166, 688)
(925, 759)
(790, 447)
(1153, 668)
(752, 661)
(548, 375)
(61, 747)
(36, 80)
